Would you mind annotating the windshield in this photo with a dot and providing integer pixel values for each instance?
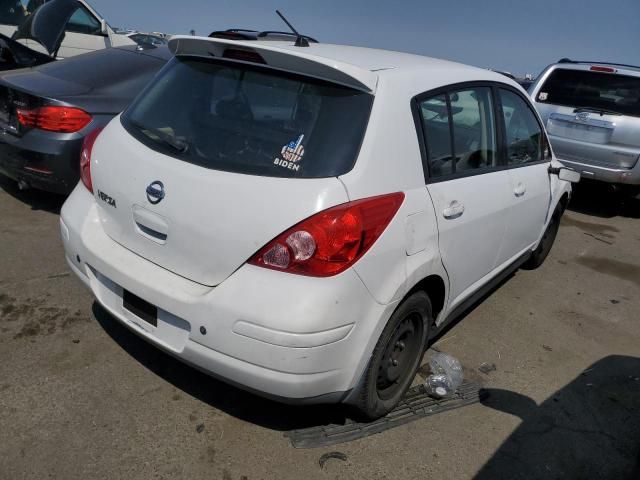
(606, 92)
(252, 120)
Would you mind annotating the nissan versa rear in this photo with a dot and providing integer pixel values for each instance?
(260, 212)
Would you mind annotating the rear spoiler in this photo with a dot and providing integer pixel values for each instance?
(285, 59)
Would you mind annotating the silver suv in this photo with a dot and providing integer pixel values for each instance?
(592, 114)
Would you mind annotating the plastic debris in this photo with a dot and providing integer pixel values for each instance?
(446, 375)
(327, 456)
(487, 367)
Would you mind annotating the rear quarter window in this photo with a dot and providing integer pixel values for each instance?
(251, 120)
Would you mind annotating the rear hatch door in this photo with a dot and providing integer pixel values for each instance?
(592, 116)
(215, 159)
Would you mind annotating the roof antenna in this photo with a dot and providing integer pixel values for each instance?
(300, 40)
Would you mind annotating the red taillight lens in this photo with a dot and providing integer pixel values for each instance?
(243, 55)
(54, 119)
(330, 241)
(85, 158)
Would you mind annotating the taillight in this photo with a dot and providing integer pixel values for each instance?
(54, 118)
(243, 55)
(85, 158)
(330, 241)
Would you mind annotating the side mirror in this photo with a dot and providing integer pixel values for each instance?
(104, 29)
(568, 175)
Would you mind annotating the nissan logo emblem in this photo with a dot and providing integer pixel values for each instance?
(155, 192)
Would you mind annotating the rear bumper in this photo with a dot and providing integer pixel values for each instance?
(292, 338)
(577, 154)
(51, 165)
(604, 174)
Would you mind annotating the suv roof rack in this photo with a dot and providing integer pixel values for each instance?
(568, 60)
(245, 34)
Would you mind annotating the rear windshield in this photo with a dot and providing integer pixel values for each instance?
(251, 120)
(604, 91)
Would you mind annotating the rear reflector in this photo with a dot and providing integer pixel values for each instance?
(54, 118)
(85, 158)
(243, 55)
(602, 69)
(45, 171)
(330, 241)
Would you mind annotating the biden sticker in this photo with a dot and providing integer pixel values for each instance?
(291, 154)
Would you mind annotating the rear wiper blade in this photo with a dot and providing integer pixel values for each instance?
(601, 111)
(174, 143)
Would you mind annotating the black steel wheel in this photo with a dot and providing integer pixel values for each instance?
(395, 359)
(398, 356)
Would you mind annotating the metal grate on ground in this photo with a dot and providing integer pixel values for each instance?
(416, 404)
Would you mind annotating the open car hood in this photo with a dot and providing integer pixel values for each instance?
(47, 23)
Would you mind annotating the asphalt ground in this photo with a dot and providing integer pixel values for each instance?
(81, 397)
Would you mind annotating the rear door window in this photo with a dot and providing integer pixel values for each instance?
(252, 120)
(437, 132)
(474, 133)
(524, 137)
(82, 21)
(585, 89)
(460, 134)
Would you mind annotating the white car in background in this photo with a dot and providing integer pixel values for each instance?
(61, 28)
(300, 221)
(147, 39)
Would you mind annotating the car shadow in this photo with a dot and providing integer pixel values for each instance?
(588, 429)
(36, 199)
(216, 393)
(601, 200)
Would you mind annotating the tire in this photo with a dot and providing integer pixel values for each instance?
(404, 341)
(539, 255)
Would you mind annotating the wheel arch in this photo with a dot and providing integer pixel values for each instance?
(434, 286)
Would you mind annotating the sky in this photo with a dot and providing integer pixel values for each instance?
(514, 35)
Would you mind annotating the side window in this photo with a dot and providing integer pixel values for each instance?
(82, 21)
(459, 129)
(437, 132)
(525, 141)
(474, 133)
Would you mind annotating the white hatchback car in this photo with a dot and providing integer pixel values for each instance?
(301, 221)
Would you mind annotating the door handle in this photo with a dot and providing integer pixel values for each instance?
(454, 210)
(520, 190)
